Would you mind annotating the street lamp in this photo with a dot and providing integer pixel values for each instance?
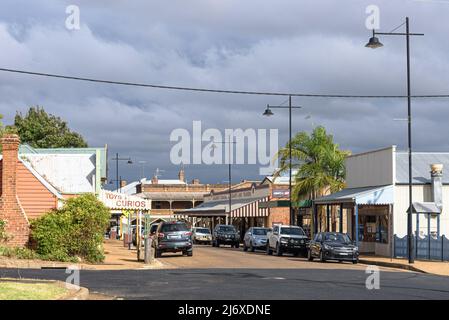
(373, 44)
(118, 180)
(269, 113)
(213, 146)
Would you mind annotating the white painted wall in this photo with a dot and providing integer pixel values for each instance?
(375, 168)
(421, 193)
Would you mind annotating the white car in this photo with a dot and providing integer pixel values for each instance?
(201, 235)
(284, 238)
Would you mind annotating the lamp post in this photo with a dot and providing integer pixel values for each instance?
(229, 170)
(375, 43)
(118, 181)
(269, 113)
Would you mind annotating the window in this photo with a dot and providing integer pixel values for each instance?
(373, 228)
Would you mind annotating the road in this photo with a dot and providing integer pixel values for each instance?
(224, 273)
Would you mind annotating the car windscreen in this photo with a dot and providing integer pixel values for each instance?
(292, 231)
(202, 230)
(336, 237)
(226, 229)
(260, 232)
(174, 227)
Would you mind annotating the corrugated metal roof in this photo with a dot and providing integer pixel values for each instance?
(68, 173)
(425, 207)
(188, 196)
(421, 162)
(220, 206)
(364, 195)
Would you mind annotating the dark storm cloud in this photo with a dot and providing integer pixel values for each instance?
(299, 46)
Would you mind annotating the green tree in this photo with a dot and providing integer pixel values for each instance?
(318, 161)
(42, 130)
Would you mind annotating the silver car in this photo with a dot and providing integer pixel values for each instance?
(255, 238)
(201, 235)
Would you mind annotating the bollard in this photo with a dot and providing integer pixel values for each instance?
(148, 251)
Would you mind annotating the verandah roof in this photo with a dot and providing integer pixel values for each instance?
(379, 195)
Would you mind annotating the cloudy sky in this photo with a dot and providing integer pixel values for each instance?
(313, 46)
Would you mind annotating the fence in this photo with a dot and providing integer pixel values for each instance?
(427, 248)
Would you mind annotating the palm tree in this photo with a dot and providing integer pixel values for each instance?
(318, 162)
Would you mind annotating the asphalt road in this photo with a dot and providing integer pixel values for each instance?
(309, 280)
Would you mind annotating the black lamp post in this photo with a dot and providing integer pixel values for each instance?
(118, 179)
(229, 169)
(269, 113)
(375, 43)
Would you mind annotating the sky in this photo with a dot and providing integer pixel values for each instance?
(313, 46)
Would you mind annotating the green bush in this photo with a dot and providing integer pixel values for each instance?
(3, 235)
(76, 230)
(20, 253)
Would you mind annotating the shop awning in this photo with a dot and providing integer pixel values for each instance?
(380, 195)
(286, 203)
(425, 207)
(248, 207)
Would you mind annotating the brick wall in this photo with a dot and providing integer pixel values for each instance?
(17, 225)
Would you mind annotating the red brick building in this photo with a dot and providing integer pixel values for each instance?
(34, 183)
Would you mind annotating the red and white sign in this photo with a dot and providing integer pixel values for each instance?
(115, 200)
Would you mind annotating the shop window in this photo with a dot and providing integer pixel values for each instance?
(373, 228)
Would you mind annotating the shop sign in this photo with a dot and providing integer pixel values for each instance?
(280, 193)
(115, 200)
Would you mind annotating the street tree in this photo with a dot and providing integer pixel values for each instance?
(42, 130)
(318, 162)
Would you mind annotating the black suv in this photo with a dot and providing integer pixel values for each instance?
(173, 237)
(225, 234)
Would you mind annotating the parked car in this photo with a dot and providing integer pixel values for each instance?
(173, 236)
(333, 246)
(226, 235)
(285, 238)
(201, 235)
(255, 238)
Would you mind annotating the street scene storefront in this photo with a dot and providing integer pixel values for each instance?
(241, 207)
(124, 210)
(363, 213)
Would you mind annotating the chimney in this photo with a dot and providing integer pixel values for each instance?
(122, 183)
(196, 181)
(436, 174)
(181, 175)
(154, 180)
(17, 226)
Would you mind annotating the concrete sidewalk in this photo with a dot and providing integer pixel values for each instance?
(433, 267)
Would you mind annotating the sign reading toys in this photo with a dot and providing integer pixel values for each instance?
(114, 200)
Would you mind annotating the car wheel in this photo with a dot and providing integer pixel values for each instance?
(217, 244)
(190, 253)
(237, 245)
(355, 261)
(322, 259)
(158, 253)
(251, 247)
(269, 251)
(296, 253)
(278, 250)
(309, 255)
(245, 248)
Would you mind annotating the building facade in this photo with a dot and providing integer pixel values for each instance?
(373, 208)
(36, 181)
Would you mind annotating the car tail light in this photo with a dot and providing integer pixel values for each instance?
(188, 234)
(161, 235)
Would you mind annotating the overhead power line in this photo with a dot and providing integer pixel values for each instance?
(264, 93)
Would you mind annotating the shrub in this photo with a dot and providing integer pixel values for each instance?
(76, 230)
(3, 236)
